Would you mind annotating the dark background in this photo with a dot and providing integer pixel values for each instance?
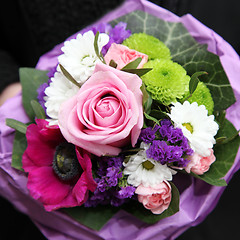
(32, 27)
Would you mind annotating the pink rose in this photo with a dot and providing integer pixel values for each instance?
(199, 164)
(122, 55)
(106, 114)
(156, 199)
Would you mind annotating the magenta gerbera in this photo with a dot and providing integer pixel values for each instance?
(60, 175)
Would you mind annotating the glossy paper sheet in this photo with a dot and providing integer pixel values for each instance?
(196, 201)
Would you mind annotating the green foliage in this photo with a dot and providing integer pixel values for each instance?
(38, 110)
(185, 51)
(31, 79)
(225, 155)
(196, 59)
(19, 126)
(19, 146)
(95, 218)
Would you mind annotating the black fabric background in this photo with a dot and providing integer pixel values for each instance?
(32, 27)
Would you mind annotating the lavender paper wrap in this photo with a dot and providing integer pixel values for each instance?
(196, 201)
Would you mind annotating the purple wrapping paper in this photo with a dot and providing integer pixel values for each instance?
(196, 201)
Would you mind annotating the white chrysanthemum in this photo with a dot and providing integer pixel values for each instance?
(59, 90)
(79, 57)
(142, 170)
(197, 126)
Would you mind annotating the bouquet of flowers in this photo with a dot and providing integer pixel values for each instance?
(128, 114)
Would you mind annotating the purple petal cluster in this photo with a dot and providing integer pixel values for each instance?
(167, 144)
(41, 89)
(109, 178)
(116, 34)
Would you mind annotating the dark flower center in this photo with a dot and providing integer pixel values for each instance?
(65, 163)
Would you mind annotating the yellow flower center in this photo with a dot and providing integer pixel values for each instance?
(148, 165)
(188, 126)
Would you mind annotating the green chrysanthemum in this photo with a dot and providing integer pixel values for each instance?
(167, 81)
(202, 96)
(149, 45)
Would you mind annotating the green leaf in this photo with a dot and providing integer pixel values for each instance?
(69, 76)
(94, 218)
(137, 209)
(151, 118)
(133, 65)
(97, 217)
(147, 100)
(158, 114)
(193, 83)
(113, 64)
(31, 79)
(38, 110)
(139, 71)
(99, 55)
(19, 146)
(19, 126)
(225, 156)
(187, 52)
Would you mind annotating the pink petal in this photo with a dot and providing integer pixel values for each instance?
(86, 164)
(40, 152)
(80, 190)
(27, 164)
(44, 185)
(69, 201)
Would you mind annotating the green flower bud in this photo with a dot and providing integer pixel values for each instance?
(202, 96)
(167, 81)
(149, 45)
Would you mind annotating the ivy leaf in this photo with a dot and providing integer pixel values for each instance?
(186, 51)
(31, 79)
(102, 214)
(15, 124)
(225, 156)
(19, 146)
(94, 218)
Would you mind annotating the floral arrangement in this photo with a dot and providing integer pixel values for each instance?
(126, 112)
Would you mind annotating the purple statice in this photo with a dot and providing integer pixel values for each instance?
(41, 89)
(159, 151)
(112, 176)
(147, 135)
(167, 144)
(117, 34)
(111, 188)
(126, 192)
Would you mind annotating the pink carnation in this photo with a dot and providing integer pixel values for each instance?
(122, 55)
(156, 199)
(43, 183)
(106, 114)
(199, 164)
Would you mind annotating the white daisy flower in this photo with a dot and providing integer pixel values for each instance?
(146, 171)
(197, 126)
(59, 90)
(79, 57)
